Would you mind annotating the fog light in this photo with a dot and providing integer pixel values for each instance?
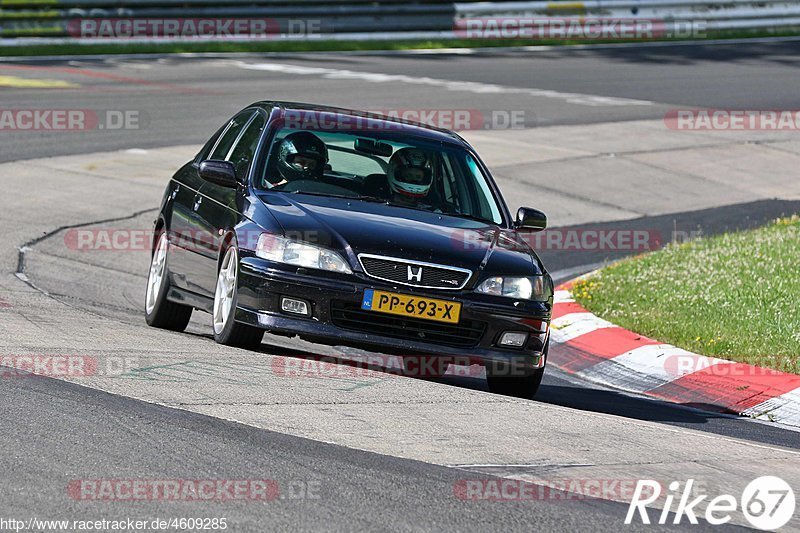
(294, 306)
(513, 339)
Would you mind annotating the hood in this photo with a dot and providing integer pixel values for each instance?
(355, 226)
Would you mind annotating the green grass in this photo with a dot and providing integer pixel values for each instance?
(735, 296)
(325, 46)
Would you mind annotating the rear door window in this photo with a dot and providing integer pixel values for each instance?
(241, 155)
(226, 140)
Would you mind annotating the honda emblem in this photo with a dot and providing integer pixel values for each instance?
(414, 276)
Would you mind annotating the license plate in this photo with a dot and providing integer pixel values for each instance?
(411, 306)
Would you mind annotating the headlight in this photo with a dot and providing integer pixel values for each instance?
(538, 288)
(282, 250)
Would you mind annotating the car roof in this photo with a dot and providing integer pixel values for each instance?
(324, 112)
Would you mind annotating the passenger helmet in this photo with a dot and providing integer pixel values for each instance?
(410, 172)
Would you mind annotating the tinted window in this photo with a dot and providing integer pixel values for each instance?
(242, 154)
(203, 154)
(432, 176)
(231, 134)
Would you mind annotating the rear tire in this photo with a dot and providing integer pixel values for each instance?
(226, 330)
(500, 382)
(158, 311)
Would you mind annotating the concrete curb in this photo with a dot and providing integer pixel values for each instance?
(599, 351)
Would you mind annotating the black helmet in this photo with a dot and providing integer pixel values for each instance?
(301, 155)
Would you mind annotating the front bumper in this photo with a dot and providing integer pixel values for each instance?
(336, 319)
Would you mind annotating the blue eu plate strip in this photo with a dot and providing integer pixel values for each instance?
(366, 303)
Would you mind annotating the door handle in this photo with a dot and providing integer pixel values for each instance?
(197, 201)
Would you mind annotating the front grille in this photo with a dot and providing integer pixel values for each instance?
(350, 316)
(407, 272)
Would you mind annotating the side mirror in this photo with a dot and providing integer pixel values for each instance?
(220, 172)
(531, 219)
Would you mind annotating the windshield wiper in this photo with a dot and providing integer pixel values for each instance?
(323, 194)
(470, 217)
(374, 199)
(396, 204)
(384, 201)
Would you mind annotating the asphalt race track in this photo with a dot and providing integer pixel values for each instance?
(181, 105)
(366, 449)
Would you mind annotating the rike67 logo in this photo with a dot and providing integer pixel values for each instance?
(767, 503)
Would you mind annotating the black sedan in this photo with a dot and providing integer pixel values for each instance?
(354, 229)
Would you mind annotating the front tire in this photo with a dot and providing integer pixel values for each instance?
(226, 330)
(158, 311)
(500, 382)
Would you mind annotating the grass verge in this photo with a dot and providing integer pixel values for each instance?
(328, 46)
(734, 296)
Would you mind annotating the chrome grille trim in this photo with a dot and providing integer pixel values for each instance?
(411, 262)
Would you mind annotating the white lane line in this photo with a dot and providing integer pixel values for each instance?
(572, 325)
(647, 367)
(449, 85)
(784, 409)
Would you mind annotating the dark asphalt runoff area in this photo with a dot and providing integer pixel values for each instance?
(62, 431)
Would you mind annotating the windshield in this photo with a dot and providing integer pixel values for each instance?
(391, 168)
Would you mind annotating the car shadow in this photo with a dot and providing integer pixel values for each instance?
(556, 389)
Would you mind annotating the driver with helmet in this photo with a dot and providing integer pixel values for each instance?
(410, 176)
(301, 156)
